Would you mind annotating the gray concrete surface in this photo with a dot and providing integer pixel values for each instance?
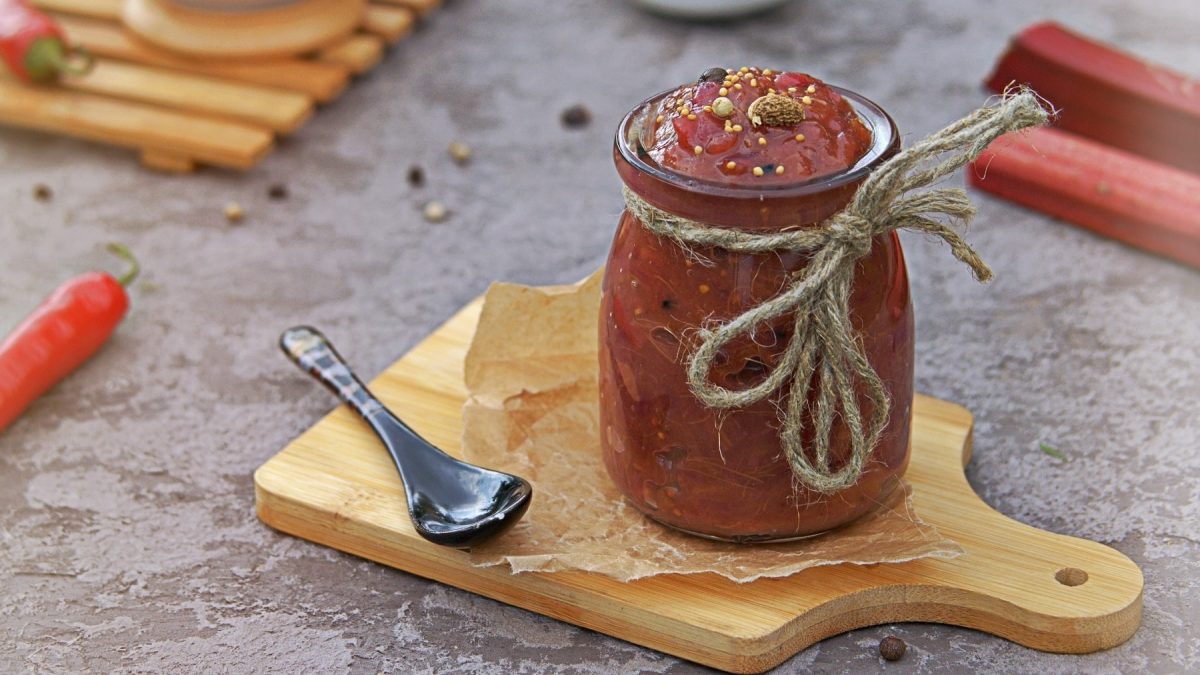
(128, 540)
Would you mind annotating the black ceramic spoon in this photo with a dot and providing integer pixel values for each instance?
(451, 502)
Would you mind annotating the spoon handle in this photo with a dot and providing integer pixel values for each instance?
(314, 353)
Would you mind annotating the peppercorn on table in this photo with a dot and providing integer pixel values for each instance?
(128, 535)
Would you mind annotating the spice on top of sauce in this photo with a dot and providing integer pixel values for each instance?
(755, 126)
(774, 110)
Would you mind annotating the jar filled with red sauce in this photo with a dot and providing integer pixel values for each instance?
(722, 473)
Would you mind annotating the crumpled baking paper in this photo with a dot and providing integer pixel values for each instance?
(532, 409)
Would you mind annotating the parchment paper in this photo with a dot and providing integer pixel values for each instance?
(531, 374)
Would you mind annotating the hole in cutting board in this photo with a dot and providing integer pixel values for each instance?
(1071, 576)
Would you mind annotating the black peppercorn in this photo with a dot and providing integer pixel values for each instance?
(277, 191)
(576, 116)
(714, 75)
(416, 176)
(42, 192)
(892, 648)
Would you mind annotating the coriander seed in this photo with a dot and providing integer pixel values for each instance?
(234, 212)
(461, 152)
(435, 211)
(722, 106)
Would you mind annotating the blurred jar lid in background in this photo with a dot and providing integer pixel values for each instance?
(707, 9)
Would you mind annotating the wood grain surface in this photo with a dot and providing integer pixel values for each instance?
(335, 485)
(282, 31)
(182, 111)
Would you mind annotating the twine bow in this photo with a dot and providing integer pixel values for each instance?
(824, 343)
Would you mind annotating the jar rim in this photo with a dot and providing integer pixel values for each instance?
(884, 134)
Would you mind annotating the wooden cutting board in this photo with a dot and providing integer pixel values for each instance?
(335, 485)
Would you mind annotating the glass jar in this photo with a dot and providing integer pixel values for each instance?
(723, 474)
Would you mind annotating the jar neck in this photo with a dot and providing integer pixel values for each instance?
(748, 208)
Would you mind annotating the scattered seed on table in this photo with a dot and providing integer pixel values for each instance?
(42, 192)
(435, 211)
(892, 648)
(416, 176)
(461, 152)
(277, 191)
(576, 116)
(234, 212)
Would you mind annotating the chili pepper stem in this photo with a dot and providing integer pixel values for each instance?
(48, 57)
(123, 252)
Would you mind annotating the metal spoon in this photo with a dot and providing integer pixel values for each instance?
(451, 502)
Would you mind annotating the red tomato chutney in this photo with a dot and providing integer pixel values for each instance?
(722, 473)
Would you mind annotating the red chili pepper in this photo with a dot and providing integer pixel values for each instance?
(34, 47)
(62, 333)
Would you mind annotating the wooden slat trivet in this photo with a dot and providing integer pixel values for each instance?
(279, 110)
(96, 9)
(162, 131)
(189, 111)
(335, 485)
(322, 79)
(359, 53)
(391, 23)
(387, 21)
(421, 7)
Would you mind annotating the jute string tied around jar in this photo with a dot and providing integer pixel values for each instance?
(824, 344)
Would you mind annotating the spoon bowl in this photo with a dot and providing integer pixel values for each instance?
(451, 502)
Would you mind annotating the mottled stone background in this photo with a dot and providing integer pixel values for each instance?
(127, 534)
